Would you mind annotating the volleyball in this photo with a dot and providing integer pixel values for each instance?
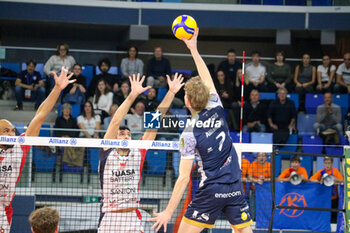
(184, 27)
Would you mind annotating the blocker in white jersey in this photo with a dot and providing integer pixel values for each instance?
(120, 178)
(12, 160)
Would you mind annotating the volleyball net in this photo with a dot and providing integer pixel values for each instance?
(65, 173)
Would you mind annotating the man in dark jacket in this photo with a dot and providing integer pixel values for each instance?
(254, 113)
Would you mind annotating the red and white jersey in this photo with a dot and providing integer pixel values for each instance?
(120, 178)
(12, 161)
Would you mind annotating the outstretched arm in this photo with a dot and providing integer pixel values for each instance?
(45, 108)
(164, 217)
(174, 86)
(136, 90)
(200, 64)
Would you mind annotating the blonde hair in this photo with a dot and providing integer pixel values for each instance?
(239, 82)
(44, 220)
(197, 93)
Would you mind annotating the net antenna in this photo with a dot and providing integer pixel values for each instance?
(242, 92)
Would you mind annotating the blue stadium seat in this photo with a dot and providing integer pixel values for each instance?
(161, 93)
(333, 151)
(343, 101)
(322, 2)
(45, 133)
(43, 162)
(267, 95)
(295, 2)
(291, 145)
(251, 2)
(39, 67)
(112, 70)
(273, 2)
(295, 98)
(93, 159)
(235, 137)
(307, 161)
(187, 72)
(156, 160)
(305, 124)
(265, 138)
(312, 101)
(19, 127)
(72, 169)
(88, 72)
(76, 110)
(11, 65)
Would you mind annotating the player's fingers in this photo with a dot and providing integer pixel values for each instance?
(159, 226)
(182, 79)
(53, 73)
(196, 32)
(70, 75)
(72, 81)
(151, 219)
(180, 76)
(143, 78)
(145, 89)
(165, 227)
(138, 77)
(154, 225)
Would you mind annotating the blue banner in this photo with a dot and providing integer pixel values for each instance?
(303, 195)
(341, 217)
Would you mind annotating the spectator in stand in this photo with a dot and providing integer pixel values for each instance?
(44, 220)
(254, 114)
(75, 92)
(112, 81)
(121, 95)
(224, 88)
(282, 113)
(88, 122)
(295, 162)
(256, 72)
(318, 177)
(230, 65)
(30, 86)
(304, 78)
(260, 170)
(233, 114)
(134, 121)
(325, 75)
(66, 121)
(103, 99)
(343, 76)
(157, 69)
(131, 64)
(56, 62)
(151, 101)
(328, 116)
(107, 120)
(279, 74)
(330, 170)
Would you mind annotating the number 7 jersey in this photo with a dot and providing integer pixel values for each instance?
(207, 135)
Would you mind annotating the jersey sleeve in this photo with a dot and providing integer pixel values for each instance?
(284, 174)
(214, 101)
(316, 176)
(187, 145)
(103, 154)
(337, 174)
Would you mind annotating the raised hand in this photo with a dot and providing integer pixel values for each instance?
(192, 43)
(175, 84)
(63, 80)
(136, 84)
(160, 220)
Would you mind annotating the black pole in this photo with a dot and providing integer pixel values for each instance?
(273, 170)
